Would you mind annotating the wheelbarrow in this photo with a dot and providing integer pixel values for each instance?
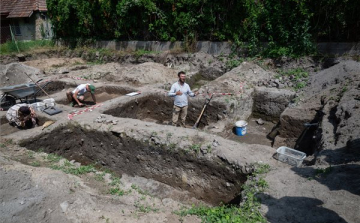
(22, 92)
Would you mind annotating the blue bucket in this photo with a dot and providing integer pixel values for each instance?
(240, 128)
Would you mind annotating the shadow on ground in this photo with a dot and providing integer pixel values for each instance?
(299, 210)
(343, 172)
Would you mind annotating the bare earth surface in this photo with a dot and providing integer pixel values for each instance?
(161, 169)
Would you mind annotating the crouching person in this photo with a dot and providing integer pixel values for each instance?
(22, 116)
(76, 96)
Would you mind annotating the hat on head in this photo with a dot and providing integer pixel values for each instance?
(92, 88)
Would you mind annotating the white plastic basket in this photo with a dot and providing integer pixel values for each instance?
(50, 102)
(38, 106)
(290, 156)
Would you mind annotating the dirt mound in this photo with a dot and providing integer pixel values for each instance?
(342, 74)
(149, 73)
(244, 77)
(331, 104)
(136, 75)
(52, 63)
(14, 73)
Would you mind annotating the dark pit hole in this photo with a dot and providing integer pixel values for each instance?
(159, 109)
(213, 181)
(102, 94)
(7, 129)
(309, 139)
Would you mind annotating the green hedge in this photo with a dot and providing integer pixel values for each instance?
(289, 26)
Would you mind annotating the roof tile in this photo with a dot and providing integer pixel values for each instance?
(21, 8)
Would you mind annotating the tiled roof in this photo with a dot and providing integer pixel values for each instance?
(21, 8)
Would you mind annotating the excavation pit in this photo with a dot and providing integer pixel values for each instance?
(54, 87)
(102, 94)
(159, 109)
(7, 129)
(211, 180)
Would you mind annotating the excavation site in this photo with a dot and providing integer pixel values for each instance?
(252, 141)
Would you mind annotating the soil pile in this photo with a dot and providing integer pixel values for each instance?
(15, 73)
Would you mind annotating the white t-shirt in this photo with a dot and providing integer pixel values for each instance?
(81, 88)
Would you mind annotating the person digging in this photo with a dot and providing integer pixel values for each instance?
(23, 116)
(180, 90)
(76, 96)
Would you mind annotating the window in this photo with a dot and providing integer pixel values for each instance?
(16, 28)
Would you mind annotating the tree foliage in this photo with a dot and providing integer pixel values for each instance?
(288, 26)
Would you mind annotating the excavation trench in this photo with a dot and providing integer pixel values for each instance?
(102, 94)
(7, 129)
(212, 181)
(159, 109)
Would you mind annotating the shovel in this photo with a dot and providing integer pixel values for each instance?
(202, 112)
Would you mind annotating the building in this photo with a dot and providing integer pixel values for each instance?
(26, 19)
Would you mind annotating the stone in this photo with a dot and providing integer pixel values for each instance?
(215, 143)
(64, 206)
(281, 86)
(64, 71)
(260, 121)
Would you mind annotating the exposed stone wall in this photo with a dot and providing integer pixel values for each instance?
(42, 26)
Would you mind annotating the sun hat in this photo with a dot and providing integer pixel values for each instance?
(92, 88)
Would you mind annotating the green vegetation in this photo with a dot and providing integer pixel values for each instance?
(245, 23)
(118, 191)
(136, 188)
(10, 46)
(71, 169)
(35, 163)
(323, 172)
(53, 158)
(145, 208)
(248, 211)
(195, 148)
(297, 76)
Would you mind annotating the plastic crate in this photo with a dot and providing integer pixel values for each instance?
(290, 156)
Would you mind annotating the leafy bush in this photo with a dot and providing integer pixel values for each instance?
(289, 27)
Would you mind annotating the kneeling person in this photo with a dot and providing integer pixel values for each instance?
(77, 95)
(22, 115)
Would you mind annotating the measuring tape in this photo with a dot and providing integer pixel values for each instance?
(88, 109)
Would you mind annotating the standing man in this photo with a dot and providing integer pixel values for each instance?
(180, 90)
(77, 95)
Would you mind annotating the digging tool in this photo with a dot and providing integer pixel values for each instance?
(37, 84)
(202, 112)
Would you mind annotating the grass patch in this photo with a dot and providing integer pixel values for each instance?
(298, 76)
(138, 189)
(53, 158)
(24, 46)
(118, 191)
(247, 211)
(35, 163)
(323, 172)
(145, 208)
(71, 169)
